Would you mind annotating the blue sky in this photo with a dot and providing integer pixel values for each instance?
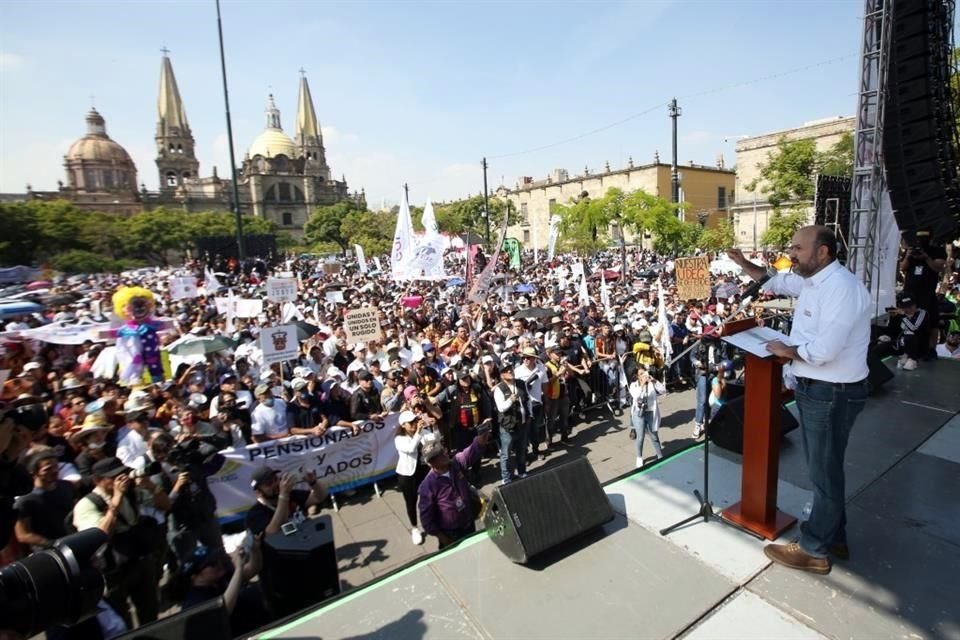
(420, 92)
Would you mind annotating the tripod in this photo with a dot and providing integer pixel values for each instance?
(706, 507)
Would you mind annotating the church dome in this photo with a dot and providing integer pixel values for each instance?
(273, 142)
(97, 145)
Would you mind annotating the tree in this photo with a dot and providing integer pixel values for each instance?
(324, 224)
(467, 215)
(154, 234)
(19, 236)
(838, 159)
(372, 231)
(782, 226)
(719, 238)
(80, 261)
(788, 174)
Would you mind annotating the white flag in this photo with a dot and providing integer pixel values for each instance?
(211, 284)
(604, 292)
(584, 293)
(663, 343)
(403, 242)
(554, 232)
(376, 263)
(361, 259)
(427, 262)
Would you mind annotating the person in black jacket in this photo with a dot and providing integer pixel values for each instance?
(468, 405)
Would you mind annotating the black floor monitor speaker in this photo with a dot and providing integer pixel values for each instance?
(726, 427)
(206, 621)
(528, 516)
(300, 568)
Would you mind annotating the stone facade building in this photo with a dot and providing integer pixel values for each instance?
(101, 175)
(705, 189)
(750, 209)
(281, 179)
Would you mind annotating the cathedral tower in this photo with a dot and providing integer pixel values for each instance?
(309, 138)
(176, 160)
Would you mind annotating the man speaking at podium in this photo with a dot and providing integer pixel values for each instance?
(828, 360)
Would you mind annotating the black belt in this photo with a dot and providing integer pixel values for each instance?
(838, 385)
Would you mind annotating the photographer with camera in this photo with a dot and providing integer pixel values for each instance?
(645, 411)
(193, 508)
(921, 265)
(211, 573)
(277, 500)
(113, 508)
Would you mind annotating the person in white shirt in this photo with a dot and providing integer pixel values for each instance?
(514, 427)
(411, 432)
(951, 348)
(269, 417)
(828, 346)
(645, 411)
(533, 375)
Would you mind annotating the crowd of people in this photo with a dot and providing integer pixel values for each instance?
(511, 379)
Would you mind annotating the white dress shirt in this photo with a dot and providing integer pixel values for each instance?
(831, 323)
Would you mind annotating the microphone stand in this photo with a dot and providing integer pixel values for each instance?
(706, 510)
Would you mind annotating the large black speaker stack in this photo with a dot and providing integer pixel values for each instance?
(529, 516)
(832, 208)
(920, 145)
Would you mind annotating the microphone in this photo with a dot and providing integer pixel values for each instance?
(752, 291)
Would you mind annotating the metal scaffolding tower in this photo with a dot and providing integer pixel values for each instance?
(869, 183)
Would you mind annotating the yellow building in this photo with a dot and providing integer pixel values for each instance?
(705, 190)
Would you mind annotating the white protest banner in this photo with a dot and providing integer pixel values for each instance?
(340, 459)
(279, 343)
(334, 297)
(182, 288)
(285, 274)
(249, 308)
(281, 289)
(361, 259)
(376, 263)
(223, 305)
(362, 325)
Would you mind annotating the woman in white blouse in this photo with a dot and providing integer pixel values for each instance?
(645, 411)
(411, 433)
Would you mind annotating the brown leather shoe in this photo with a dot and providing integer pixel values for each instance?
(791, 555)
(839, 550)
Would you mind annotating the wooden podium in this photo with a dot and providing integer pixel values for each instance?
(757, 510)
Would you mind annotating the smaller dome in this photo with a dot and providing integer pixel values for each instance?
(271, 143)
(100, 149)
(97, 145)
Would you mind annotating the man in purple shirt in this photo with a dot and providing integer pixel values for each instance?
(446, 498)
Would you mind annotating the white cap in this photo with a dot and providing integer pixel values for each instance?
(298, 383)
(406, 416)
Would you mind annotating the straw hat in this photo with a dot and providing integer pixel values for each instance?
(91, 424)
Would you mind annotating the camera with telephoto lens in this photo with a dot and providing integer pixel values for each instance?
(151, 469)
(196, 457)
(56, 586)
